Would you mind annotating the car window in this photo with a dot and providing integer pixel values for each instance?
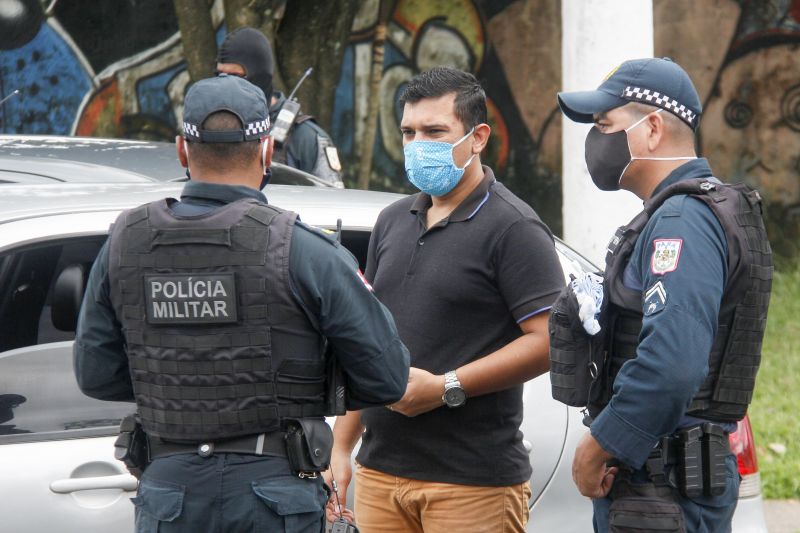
(27, 278)
(39, 397)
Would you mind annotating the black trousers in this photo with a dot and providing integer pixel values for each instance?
(227, 493)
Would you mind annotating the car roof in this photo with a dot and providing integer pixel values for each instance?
(48, 158)
(318, 206)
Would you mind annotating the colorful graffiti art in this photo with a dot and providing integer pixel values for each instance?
(751, 125)
(78, 74)
(39, 60)
(422, 34)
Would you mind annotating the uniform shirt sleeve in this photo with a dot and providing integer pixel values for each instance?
(528, 271)
(653, 391)
(302, 147)
(327, 282)
(99, 358)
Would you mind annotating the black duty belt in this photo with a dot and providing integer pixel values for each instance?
(273, 444)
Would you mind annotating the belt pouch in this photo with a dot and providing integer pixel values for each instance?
(309, 443)
(715, 450)
(690, 456)
(635, 514)
(131, 446)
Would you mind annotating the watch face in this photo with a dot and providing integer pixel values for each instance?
(455, 397)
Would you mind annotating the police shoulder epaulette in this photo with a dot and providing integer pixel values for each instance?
(325, 234)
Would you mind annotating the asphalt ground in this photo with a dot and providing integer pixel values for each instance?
(783, 516)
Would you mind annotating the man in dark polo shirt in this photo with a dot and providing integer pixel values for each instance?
(469, 272)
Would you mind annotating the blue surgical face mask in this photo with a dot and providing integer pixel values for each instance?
(430, 166)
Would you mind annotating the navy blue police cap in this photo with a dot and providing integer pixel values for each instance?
(652, 81)
(225, 93)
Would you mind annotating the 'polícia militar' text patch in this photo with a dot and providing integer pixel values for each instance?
(191, 298)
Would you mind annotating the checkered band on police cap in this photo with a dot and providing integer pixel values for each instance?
(646, 96)
(225, 93)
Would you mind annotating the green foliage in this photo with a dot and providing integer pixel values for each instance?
(774, 412)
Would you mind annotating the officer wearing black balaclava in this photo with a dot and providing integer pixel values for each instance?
(685, 294)
(246, 52)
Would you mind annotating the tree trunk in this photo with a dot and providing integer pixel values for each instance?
(368, 142)
(197, 36)
(239, 13)
(314, 34)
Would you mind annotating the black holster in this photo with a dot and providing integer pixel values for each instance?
(131, 446)
(309, 443)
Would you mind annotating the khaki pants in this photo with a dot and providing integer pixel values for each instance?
(390, 504)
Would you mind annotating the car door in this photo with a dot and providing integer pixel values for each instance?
(56, 444)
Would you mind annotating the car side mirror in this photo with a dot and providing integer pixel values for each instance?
(67, 297)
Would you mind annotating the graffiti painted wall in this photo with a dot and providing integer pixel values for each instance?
(512, 47)
(116, 68)
(745, 59)
(81, 72)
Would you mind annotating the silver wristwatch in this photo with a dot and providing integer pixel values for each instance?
(454, 395)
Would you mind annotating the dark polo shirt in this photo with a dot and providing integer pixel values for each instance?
(457, 292)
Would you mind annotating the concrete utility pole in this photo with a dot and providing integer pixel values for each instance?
(598, 35)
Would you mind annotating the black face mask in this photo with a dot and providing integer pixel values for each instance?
(249, 48)
(607, 157)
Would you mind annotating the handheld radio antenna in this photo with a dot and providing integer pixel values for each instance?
(308, 72)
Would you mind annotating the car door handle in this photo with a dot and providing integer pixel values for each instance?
(121, 481)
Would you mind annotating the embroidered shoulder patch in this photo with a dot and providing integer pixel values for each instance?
(666, 254)
(655, 299)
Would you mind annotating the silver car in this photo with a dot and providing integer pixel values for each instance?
(56, 445)
(60, 159)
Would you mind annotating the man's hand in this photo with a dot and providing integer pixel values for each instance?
(342, 472)
(423, 393)
(589, 471)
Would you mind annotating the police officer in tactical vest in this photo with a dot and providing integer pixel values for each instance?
(682, 313)
(299, 141)
(214, 313)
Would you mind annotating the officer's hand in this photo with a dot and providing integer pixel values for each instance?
(589, 471)
(423, 393)
(342, 471)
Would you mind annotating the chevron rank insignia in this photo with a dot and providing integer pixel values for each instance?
(655, 299)
(666, 254)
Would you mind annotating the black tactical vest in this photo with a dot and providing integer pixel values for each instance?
(217, 345)
(736, 350)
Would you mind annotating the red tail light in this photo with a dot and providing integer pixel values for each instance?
(744, 447)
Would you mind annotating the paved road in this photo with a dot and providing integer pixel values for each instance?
(783, 516)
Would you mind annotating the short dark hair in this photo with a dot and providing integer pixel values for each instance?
(219, 155)
(470, 102)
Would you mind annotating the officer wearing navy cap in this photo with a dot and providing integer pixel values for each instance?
(686, 290)
(214, 313)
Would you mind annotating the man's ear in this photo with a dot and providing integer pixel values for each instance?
(481, 136)
(657, 125)
(267, 147)
(183, 151)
